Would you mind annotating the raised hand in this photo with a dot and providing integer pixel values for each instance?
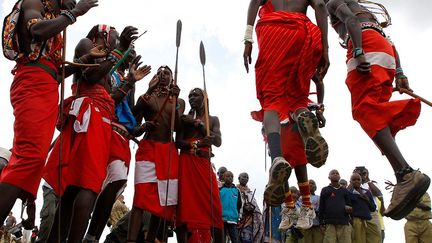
(136, 72)
(128, 34)
(83, 6)
(153, 83)
(98, 52)
(247, 55)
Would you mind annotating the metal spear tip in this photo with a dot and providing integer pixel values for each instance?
(178, 34)
(202, 54)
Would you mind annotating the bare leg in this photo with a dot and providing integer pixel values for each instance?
(182, 234)
(218, 235)
(9, 194)
(155, 225)
(134, 224)
(301, 173)
(411, 184)
(103, 207)
(272, 129)
(385, 141)
(82, 208)
(64, 211)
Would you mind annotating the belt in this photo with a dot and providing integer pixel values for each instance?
(367, 25)
(46, 68)
(124, 133)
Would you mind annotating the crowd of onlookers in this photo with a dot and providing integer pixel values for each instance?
(345, 211)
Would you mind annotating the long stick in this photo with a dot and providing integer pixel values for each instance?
(62, 91)
(207, 126)
(270, 225)
(206, 108)
(412, 94)
(173, 116)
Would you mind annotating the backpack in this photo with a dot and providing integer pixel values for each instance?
(10, 42)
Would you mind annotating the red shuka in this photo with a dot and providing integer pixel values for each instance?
(289, 52)
(194, 207)
(370, 93)
(86, 141)
(292, 145)
(34, 98)
(120, 149)
(154, 168)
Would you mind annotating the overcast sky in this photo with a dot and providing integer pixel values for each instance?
(220, 25)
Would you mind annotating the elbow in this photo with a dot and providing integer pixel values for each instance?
(321, 7)
(217, 143)
(352, 22)
(40, 33)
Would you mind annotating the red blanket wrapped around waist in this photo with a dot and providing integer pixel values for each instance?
(289, 52)
(86, 141)
(195, 174)
(370, 93)
(156, 178)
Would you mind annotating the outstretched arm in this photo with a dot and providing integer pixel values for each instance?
(41, 29)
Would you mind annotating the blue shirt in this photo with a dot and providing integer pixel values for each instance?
(230, 198)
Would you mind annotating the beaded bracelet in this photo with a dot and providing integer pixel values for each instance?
(112, 58)
(399, 70)
(118, 52)
(358, 51)
(69, 15)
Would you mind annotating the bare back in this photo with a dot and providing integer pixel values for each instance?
(360, 12)
(298, 6)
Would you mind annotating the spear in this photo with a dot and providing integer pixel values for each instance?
(173, 116)
(206, 108)
(412, 94)
(207, 126)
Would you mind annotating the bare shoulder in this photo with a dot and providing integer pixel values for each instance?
(35, 5)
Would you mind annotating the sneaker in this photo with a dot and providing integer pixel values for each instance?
(306, 217)
(316, 147)
(289, 218)
(407, 194)
(277, 186)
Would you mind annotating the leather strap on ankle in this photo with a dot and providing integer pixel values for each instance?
(402, 172)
